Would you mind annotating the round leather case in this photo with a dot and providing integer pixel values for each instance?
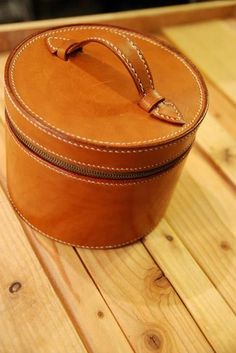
(99, 122)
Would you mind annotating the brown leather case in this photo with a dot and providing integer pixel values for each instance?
(99, 122)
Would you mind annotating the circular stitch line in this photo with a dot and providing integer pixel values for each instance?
(95, 148)
(93, 165)
(113, 31)
(116, 31)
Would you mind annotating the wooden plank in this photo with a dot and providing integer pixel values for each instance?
(195, 289)
(32, 318)
(2, 129)
(80, 296)
(146, 20)
(143, 300)
(219, 145)
(221, 108)
(202, 213)
(212, 47)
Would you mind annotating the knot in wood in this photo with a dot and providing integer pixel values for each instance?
(153, 340)
(15, 287)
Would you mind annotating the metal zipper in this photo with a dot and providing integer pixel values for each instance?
(89, 171)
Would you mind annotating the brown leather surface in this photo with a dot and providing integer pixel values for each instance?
(133, 59)
(88, 110)
(60, 92)
(83, 211)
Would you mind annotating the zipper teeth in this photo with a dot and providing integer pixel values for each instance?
(90, 172)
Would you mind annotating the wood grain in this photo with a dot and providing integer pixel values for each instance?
(203, 216)
(221, 108)
(212, 47)
(143, 300)
(219, 145)
(211, 236)
(32, 318)
(194, 287)
(80, 296)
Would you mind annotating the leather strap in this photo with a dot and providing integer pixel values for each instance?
(134, 61)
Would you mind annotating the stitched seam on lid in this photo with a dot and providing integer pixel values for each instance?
(111, 184)
(93, 165)
(95, 148)
(116, 31)
(71, 244)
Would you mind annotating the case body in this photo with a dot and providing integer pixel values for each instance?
(100, 120)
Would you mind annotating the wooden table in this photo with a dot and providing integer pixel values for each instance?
(172, 292)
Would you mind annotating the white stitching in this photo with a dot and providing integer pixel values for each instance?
(108, 29)
(95, 148)
(45, 34)
(75, 245)
(49, 39)
(112, 46)
(67, 174)
(122, 55)
(167, 116)
(140, 54)
(93, 165)
(144, 62)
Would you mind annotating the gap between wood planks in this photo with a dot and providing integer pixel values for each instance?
(93, 320)
(30, 309)
(98, 289)
(93, 279)
(162, 273)
(193, 286)
(215, 166)
(170, 237)
(100, 258)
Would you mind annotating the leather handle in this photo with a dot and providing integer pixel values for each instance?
(134, 61)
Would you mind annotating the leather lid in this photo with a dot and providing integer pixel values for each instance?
(91, 98)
